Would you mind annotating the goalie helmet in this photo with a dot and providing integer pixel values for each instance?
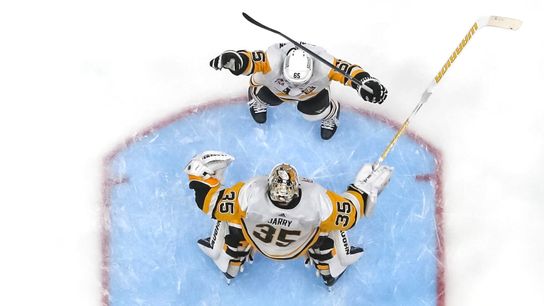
(298, 67)
(283, 185)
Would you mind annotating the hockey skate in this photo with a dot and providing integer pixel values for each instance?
(330, 122)
(258, 110)
(229, 265)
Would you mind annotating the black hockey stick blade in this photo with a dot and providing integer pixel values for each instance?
(255, 22)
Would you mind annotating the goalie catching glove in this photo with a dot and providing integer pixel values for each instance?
(209, 164)
(371, 182)
(379, 92)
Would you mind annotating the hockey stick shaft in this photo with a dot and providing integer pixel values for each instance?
(494, 21)
(299, 45)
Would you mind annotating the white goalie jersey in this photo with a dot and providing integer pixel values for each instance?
(279, 232)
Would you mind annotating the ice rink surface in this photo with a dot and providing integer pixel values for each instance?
(79, 78)
(155, 222)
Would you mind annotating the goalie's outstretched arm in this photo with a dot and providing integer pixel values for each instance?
(358, 200)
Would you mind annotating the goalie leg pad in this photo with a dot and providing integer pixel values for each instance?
(332, 254)
(237, 249)
(213, 246)
(227, 248)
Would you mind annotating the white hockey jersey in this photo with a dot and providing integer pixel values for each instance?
(266, 70)
(280, 233)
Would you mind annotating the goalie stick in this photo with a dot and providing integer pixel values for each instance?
(493, 21)
(299, 45)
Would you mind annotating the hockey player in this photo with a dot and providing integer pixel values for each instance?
(285, 73)
(282, 216)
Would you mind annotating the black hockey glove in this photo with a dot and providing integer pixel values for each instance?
(231, 60)
(379, 92)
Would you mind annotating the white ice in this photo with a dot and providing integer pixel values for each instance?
(77, 78)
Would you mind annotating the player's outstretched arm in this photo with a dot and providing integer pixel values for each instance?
(241, 62)
(379, 92)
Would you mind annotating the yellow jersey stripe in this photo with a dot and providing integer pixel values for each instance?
(359, 198)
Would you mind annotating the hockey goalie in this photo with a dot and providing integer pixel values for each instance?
(281, 216)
